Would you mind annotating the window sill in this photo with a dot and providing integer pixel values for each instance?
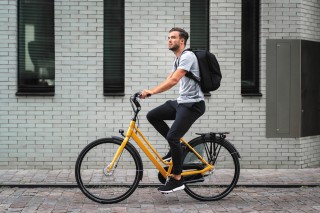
(258, 94)
(113, 94)
(34, 93)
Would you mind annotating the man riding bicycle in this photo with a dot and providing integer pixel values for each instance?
(185, 110)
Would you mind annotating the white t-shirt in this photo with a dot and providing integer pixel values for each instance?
(190, 90)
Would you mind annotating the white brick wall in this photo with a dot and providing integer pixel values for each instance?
(310, 20)
(291, 19)
(7, 80)
(49, 132)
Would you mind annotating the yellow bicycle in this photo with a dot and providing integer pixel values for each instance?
(109, 170)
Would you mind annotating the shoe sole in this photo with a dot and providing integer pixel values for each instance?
(173, 190)
(167, 159)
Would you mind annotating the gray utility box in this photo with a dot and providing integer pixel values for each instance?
(293, 88)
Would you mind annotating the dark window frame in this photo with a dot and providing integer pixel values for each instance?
(114, 48)
(200, 26)
(28, 82)
(250, 50)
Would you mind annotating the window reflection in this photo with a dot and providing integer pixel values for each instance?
(36, 47)
(250, 41)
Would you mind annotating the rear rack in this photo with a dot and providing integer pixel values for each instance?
(211, 135)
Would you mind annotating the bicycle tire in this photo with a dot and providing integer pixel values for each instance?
(218, 183)
(103, 187)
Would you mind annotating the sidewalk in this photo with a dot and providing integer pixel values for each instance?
(267, 190)
(248, 177)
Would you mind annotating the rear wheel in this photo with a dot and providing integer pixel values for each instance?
(219, 182)
(100, 185)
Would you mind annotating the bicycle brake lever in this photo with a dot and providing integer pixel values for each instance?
(138, 94)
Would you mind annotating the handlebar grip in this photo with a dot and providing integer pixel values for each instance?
(137, 94)
(135, 101)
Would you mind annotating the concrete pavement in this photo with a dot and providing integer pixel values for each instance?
(258, 191)
(241, 199)
(248, 177)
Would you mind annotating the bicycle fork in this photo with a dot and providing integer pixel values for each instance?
(107, 170)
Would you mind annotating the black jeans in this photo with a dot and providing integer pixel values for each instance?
(184, 115)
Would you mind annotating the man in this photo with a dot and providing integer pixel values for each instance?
(188, 107)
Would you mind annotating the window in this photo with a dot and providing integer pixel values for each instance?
(199, 24)
(36, 47)
(113, 66)
(250, 73)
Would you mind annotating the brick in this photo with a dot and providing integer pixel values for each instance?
(79, 113)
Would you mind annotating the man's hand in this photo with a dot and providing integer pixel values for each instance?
(146, 93)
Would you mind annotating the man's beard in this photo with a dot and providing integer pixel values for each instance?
(175, 47)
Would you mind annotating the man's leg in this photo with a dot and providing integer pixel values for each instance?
(166, 111)
(186, 115)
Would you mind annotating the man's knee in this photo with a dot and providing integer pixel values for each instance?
(172, 139)
(150, 116)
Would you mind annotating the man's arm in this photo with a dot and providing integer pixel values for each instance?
(171, 81)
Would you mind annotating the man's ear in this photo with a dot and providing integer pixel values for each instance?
(182, 42)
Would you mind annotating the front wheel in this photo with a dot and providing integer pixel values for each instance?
(219, 182)
(100, 185)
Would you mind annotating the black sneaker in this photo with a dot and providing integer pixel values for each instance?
(167, 157)
(172, 185)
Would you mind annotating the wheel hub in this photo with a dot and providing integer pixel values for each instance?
(106, 172)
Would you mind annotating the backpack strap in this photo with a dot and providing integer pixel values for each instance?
(193, 77)
(189, 74)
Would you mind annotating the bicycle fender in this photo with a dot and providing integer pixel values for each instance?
(228, 142)
(208, 136)
(117, 138)
(235, 150)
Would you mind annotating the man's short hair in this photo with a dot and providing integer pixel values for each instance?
(182, 34)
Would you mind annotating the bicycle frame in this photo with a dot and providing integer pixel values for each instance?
(134, 133)
(100, 185)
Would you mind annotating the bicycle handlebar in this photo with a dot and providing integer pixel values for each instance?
(136, 107)
(134, 100)
(137, 94)
(136, 104)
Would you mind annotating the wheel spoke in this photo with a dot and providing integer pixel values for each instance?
(102, 186)
(219, 182)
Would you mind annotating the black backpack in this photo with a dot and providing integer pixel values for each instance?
(210, 74)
